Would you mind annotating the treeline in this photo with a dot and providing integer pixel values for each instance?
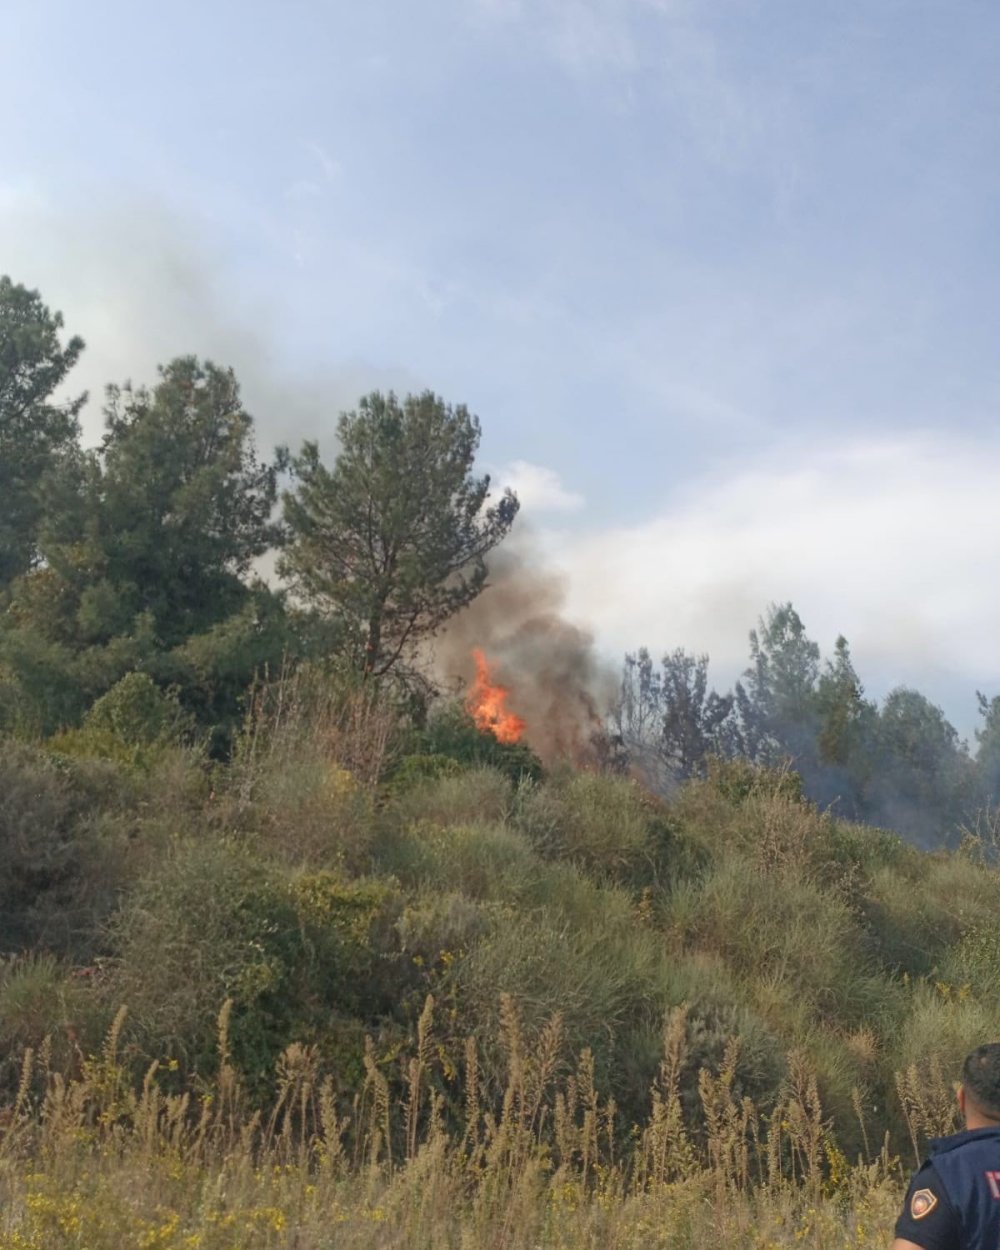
(140, 556)
(899, 764)
(130, 590)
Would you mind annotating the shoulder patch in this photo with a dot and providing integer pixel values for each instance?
(922, 1203)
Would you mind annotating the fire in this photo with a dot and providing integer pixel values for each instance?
(487, 703)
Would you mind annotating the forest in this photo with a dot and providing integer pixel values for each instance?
(301, 947)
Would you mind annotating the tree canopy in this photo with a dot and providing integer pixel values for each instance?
(34, 430)
(392, 540)
(147, 549)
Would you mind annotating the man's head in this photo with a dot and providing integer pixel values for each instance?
(979, 1095)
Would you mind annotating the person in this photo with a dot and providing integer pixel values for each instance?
(953, 1202)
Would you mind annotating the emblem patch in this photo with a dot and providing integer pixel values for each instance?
(922, 1203)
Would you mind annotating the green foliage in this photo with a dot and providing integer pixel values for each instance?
(138, 712)
(669, 721)
(34, 432)
(148, 544)
(608, 825)
(415, 769)
(476, 795)
(68, 841)
(185, 505)
(39, 807)
(212, 923)
(606, 982)
(133, 724)
(392, 539)
(777, 702)
(451, 731)
(973, 963)
(922, 771)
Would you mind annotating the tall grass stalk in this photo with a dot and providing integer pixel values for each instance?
(98, 1160)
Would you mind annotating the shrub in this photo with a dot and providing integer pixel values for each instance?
(606, 987)
(44, 1005)
(309, 810)
(138, 712)
(413, 769)
(451, 731)
(133, 723)
(780, 933)
(973, 963)
(291, 951)
(481, 861)
(39, 854)
(606, 824)
(326, 714)
(473, 795)
(917, 914)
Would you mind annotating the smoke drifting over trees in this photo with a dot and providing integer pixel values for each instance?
(137, 558)
(900, 765)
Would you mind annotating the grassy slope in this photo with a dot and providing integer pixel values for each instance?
(558, 924)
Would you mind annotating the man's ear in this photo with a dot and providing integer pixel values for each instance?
(961, 1099)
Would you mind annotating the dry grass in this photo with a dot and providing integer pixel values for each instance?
(93, 1162)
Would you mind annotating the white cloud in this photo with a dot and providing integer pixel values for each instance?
(539, 489)
(891, 542)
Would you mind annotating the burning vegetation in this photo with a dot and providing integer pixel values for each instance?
(551, 672)
(487, 704)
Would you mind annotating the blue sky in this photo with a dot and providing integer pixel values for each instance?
(719, 276)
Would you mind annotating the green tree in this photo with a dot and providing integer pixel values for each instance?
(185, 504)
(923, 781)
(392, 540)
(841, 704)
(34, 431)
(988, 750)
(148, 551)
(669, 721)
(777, 699)
(847, 728)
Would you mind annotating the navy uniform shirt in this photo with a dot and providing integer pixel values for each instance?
(953, 1202)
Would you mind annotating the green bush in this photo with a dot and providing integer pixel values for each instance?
(294, 952)
(413, 769)
(138, 712)
(606, 824)
(917, 914)
(473, 795)
(132, 724)
(606, 987)
(44, 1005)
(786, 936)
(40, 810)
(309, 810)
(481, 861)
(451, 731)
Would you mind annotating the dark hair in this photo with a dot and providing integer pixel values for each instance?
(981, 1078)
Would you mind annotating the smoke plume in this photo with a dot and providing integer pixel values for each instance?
(557, 681)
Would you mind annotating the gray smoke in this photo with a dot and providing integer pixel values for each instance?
(557, 681)
(142, 284)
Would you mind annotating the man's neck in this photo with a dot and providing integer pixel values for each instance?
(977, 1119)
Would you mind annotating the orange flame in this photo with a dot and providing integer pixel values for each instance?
(487, 703)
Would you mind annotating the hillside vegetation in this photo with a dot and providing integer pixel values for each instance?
(399, 983)
(321, 959)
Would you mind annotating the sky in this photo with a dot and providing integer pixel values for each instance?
(719, 277)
